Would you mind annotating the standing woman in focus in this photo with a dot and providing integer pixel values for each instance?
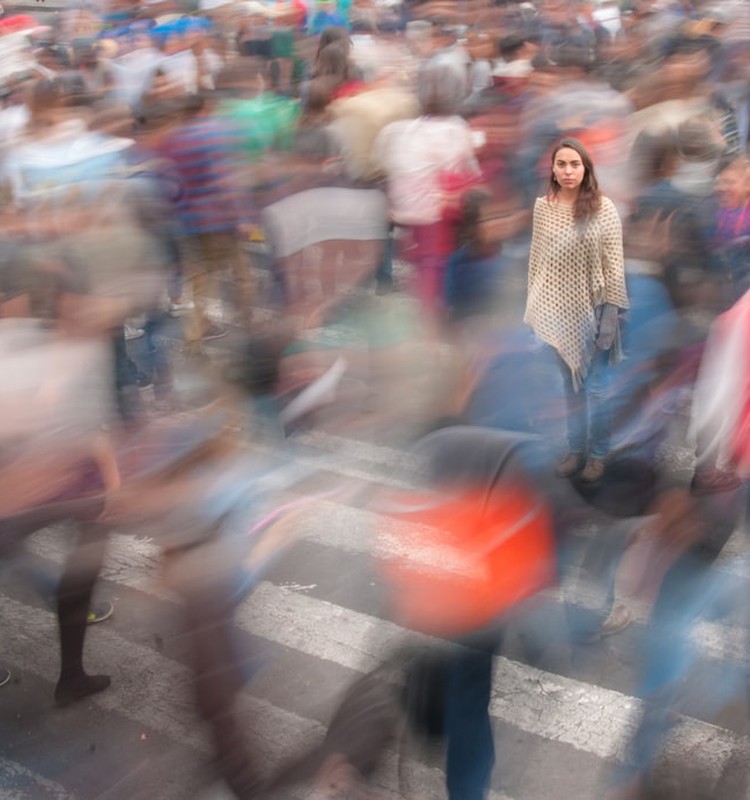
(576, 289)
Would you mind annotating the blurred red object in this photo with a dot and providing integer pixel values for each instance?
(462, 561)
(18, 22)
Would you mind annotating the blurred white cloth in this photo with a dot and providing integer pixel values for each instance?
(55, 389)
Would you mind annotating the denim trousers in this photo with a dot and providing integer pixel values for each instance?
(691, 590)
(588, 417)
(470, 748)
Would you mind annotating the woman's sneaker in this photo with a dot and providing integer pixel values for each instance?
(570, 465)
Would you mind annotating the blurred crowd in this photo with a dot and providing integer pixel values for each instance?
(224, 225)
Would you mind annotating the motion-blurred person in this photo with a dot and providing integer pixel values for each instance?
(733, 229)
(447, 694)
(685, 202)
(732, 85)
(429, 163)
(58, 462)
(219, 511)
(472, 281)
(73, 201)
(93, 67)
(692, 520)
(263, 119)
(676, 87)
(576, 291)
(210, 209)
(333, 63)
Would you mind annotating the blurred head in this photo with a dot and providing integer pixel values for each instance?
(52, 57)
(441, 89)
(545, 76)
(44, 98)
(654, 156)
(164, 88)
(85, 52)
(115, 119)
(242, 77)
(334, 34)
(476, 230)
(700, 140)
(75, 93)
(688, 59)
(733, 183)
(333, 62)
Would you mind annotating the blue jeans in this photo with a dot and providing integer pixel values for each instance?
(588, 417)
(691, 590)
(470, 749)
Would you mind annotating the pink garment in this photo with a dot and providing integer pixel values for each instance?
(432, 247)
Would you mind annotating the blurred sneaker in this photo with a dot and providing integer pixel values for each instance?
(619, 619)
(98, 612)
(143, 380)
(214, 331)
(132, 333)
(5, 676)
(176, 309)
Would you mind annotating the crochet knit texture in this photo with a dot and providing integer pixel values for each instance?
(573, 269)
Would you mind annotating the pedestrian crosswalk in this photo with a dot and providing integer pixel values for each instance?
(316, 622)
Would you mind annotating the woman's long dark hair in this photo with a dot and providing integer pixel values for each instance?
(589, 199)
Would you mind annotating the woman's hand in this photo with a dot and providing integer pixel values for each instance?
(605, 337)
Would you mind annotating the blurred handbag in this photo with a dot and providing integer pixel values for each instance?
(465, 560)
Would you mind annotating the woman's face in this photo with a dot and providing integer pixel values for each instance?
(568, 168)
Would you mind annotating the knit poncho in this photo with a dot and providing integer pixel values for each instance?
(572, 271)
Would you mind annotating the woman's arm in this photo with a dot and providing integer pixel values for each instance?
(613, 260)
(535, 251)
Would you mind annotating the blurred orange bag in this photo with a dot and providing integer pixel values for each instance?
(465, 560)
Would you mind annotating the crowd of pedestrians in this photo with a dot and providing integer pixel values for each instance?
(560, 188)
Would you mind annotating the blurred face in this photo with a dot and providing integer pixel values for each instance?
(568, 169)
(688, 67)
(733, 186)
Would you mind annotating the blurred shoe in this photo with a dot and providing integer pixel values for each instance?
(214, 332)
(71, 690)
(5, 676)
(143, 380)
(132, 333)
(617, 621)
(570, 465)
(593, 472)
(98, 612)
(176, 309)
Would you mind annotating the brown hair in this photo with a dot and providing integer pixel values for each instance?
(333, 61)
(589, 199)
